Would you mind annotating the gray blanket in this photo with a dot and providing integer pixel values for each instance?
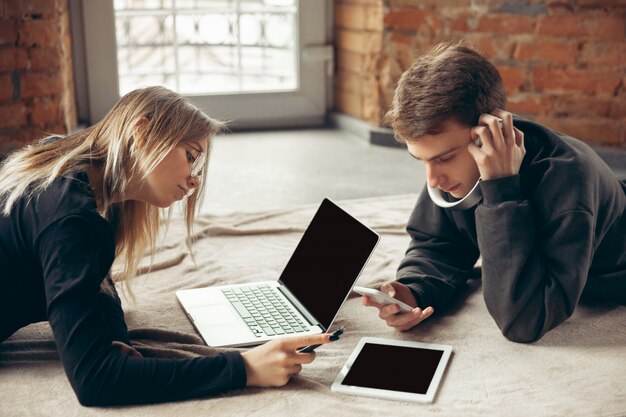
(577, 369)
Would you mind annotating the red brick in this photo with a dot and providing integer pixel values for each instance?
(8, 32)
(12, 59)
(547, 50)
(514, 79)
(57, 128)
(352, 83)
(363, 42)
(404, 55)
(390, 70)
(350, 61)
(411, 19)
(463, 22)
(8, 143)
(406, 19)
(6, 87)
(576, 80)
(371, 106)
(618, 107)
(525, 50)
(529, 103)
(350, 16)
(39, 84)
(555, 50)
(402, 39)
(21, 58)
(606, 54)
(365, 2)
(582, 24)
(438, 3)
(349, 103)
(18, 8)
(42, 33)
(595, 131)
(347, 82)
(495, 48)
(387, 98)
(603, 3)
(12, 115)
(581, 106)
(374, 19)
(45, 58)
(46, 112)
(506, 24)
(29, 134)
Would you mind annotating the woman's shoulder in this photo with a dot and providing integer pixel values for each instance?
(70, 191)
(67, 195)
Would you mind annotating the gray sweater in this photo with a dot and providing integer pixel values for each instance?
(548, 237)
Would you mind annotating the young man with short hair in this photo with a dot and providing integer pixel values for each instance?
(544, 211)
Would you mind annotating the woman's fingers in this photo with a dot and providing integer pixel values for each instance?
(293, 343)
(292, 370)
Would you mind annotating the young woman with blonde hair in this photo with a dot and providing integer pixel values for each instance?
(70, 205)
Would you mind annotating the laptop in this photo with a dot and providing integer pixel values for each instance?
(306, 298)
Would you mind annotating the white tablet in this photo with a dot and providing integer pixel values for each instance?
(393, 369)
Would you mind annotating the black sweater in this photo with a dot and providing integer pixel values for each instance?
(55, 251)
(548, 236)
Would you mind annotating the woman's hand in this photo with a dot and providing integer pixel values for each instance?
(502, 149)
(275, 362)
(391, 312)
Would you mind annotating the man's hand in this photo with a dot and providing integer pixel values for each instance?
(275, 362)
(502, 149)
(391, 312)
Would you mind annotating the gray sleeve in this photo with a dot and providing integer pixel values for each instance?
(534, 269)
(440, 257)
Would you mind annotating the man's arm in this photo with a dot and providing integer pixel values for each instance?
(534, 270)
(440, 257)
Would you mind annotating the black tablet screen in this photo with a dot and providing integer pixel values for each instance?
(396, 368)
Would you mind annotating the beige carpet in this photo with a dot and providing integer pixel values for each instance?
(579, 369)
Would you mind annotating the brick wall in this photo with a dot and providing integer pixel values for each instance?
(563, 62)
(36, 80)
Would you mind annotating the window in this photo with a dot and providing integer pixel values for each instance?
(256, 63)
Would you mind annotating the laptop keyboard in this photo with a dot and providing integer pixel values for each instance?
(264, 311)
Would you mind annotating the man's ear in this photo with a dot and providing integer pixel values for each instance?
(139, 138)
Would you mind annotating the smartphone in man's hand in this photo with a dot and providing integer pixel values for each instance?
(382, 298)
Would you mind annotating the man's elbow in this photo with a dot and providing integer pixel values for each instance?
(522, 332)
(521, 337)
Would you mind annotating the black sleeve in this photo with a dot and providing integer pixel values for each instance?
(113, 313)
(440, 257)
(534, 269)
(75, 260)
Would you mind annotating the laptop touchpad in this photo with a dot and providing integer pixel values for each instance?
(215, 314)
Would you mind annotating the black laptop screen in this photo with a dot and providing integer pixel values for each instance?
(328, 260)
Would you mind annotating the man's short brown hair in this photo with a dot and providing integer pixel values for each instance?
(452, 81)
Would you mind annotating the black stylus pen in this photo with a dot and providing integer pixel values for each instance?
(333, 337)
